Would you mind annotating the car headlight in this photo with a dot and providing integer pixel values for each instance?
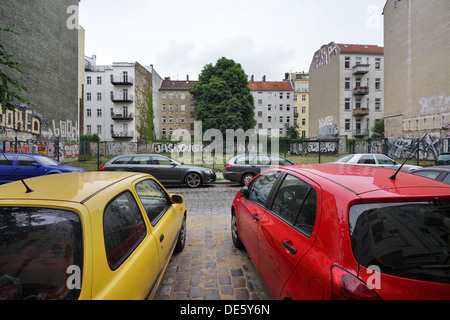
(209, 172)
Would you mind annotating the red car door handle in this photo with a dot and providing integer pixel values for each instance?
(289, 247)
(255, 217)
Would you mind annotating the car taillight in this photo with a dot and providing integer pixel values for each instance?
(228, 166)
(102, 168)
(345, 286)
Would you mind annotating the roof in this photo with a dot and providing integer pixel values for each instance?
(360, 48)
(367, 179)
(67, 187)
(177, 84)
(270, 86)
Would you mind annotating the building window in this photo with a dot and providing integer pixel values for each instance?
(88, 129)
(99, 80)
(358, 103)
(170, 119)
(170, 107)
(99, 129)
(358, 60)
(304, 110)
(88, 96)
(288, 119)
(99, 113)
(183, 120)
(358, 82)
(260, 114)
(281, 119)
(347, 62)
(347, 124)
(260, 125)
(378, 84)
(163, 131)
(88, 113)
(183, 96)
(347, 83)
(163, 120)
(281, 95)
(183, 108)
(163, 96)
(347, 103)
(269, 119)
(377, 63)
(260, 102)
(378, 104)
(89, 80)
(303, 122)
(170, 95)
(304, 97)
(99, 96)
(163, 108)
(304, 87)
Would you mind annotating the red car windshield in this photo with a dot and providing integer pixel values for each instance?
(410, 240)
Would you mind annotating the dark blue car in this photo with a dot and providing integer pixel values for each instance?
(15, 166)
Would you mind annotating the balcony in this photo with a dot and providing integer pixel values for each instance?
(361, 112)
(359, 133)
(122, 81)
(122, 135)
(361, 69)
(122, 97)
(360, 91)
(122, 117)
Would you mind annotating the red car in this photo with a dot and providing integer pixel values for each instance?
(332, 231)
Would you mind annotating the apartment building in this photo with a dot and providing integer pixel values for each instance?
(274, 105)
(300, 83)
(346, 90)
(110, 99)
(417, 60)
(176, 107)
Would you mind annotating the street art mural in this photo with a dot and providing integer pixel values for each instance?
(313, 147)
(22, 119)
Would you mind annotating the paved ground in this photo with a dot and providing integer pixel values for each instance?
(210, 268)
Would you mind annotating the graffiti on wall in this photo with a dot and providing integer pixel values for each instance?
(67, 151)
(312, 147)
(323, 56)
(434, 104)
(21, 119)
(429, 148)
(169, 147)
(327, 128)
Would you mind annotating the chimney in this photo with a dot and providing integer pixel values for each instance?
(187, 78)
(252, 79)
(264, 79)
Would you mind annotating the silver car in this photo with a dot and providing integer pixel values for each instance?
(243, 168)
(370, 159)
(167, 170)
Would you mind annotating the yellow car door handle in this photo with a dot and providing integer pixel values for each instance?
(161, 238)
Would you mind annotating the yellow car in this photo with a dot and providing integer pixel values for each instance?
(87, 235)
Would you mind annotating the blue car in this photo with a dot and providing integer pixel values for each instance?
(16, 166)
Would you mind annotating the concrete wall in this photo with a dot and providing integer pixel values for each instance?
(48, 51)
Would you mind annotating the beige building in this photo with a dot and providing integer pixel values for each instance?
(300, 83)
(176, 107)
(346, 91)
(417, 67)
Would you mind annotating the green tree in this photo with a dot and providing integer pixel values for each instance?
(9, 87)
(378, 130)
(144, 106)
(292, 132)
(222, 97)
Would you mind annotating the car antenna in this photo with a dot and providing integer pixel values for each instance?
(407, 158)
(29, 190)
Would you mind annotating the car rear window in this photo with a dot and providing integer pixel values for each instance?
(39, 250)
(410, 240)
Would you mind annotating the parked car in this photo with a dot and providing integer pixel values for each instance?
(166, 170)
(443, 159)
(441, 173)
(371, 159)
(336, 231)
(16, 166)
(243, 168)
(88, 235)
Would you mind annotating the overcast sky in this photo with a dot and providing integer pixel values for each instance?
(266, 37)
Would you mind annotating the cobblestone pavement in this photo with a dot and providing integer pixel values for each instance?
(209, 267)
